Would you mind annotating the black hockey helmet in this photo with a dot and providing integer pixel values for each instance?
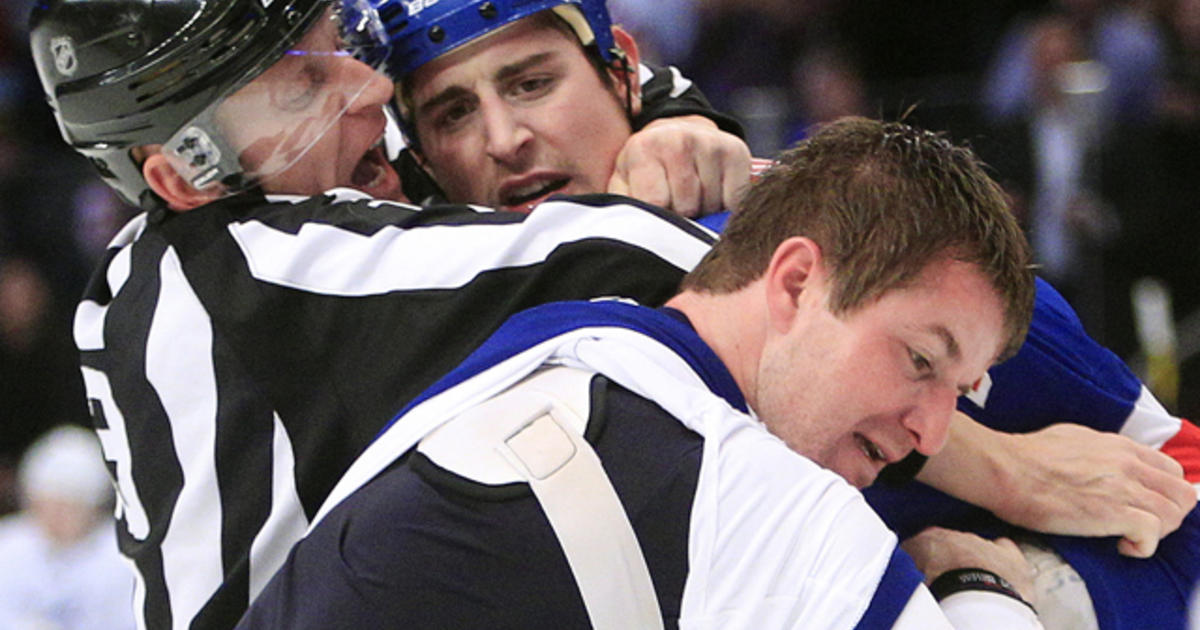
(124, 73)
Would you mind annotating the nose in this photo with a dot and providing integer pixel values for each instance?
(929, 420)
(376, 89)
(505, 131)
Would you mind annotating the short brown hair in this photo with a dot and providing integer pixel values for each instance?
(883, 200)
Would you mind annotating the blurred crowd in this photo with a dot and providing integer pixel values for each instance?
(1088, 112)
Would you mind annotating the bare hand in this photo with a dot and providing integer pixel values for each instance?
(1073, 480)
(684, 164)
(938, 550)
(1066, 479)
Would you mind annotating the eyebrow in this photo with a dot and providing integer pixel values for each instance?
(513, 69)
(505, 72)
(952, 349)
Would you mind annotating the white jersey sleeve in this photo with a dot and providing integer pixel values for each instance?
(966, 610)
(778, 542)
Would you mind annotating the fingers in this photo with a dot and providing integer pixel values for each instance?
(1168, 497)
(937, 550)
(1157, 487)
(687, 196)
(1141, 537)
(1166, 478)
(736, 179)
(713, 176)
(637, 176)
(685, 165)
(618, 184)
(1157, 459)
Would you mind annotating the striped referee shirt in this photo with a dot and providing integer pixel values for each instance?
(238, 357)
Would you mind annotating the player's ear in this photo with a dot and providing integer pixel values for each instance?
(631, 81)
(788, 277)
(168, 184)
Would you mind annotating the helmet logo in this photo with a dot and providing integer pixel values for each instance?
(63, 50)
(197, 154)
(416, 6)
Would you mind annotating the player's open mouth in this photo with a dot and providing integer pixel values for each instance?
(371, 169)
(536, 190)
(870, 449)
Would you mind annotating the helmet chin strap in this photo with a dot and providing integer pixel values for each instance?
(621, 61)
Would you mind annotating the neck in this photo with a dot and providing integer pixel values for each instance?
(733, 327)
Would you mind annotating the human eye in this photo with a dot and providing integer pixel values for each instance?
(452, 115)
(299, 92)
(533, 86)
(920, 363)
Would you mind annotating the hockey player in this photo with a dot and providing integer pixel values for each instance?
(476, 106)
(608, 465)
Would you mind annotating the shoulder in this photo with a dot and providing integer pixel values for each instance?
(767, 517)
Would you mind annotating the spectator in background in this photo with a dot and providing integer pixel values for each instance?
(64, 569)
(1150, 174)
(1176, 156)
(1119, 34)
(744, 59)
(665, 30)
(40, 383)
(826, 85)
(1047, 158)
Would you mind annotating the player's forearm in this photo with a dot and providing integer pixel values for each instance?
(970, 467)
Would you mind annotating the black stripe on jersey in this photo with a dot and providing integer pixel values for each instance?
(244, 459)
(155, 469)
(97, 289)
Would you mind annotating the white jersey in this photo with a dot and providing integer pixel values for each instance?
(774, 540)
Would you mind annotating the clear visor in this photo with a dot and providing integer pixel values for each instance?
(264, 128)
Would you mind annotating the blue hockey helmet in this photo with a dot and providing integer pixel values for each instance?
(420, 31)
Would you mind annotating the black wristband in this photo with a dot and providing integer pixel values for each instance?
(958, 580)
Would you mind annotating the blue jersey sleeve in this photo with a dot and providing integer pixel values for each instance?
(1060, 374)
(899, 580)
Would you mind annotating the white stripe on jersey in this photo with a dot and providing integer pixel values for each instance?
(180, 369)
(286, 523)
(1149, 422)
(89, 316)
(679, 83)
(354, 264)
(89, 326)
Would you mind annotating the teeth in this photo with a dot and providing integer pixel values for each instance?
(533, 191)
(527, 190)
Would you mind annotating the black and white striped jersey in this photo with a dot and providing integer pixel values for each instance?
(239, 356)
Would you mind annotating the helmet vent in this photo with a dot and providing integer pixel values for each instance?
(209, 56)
